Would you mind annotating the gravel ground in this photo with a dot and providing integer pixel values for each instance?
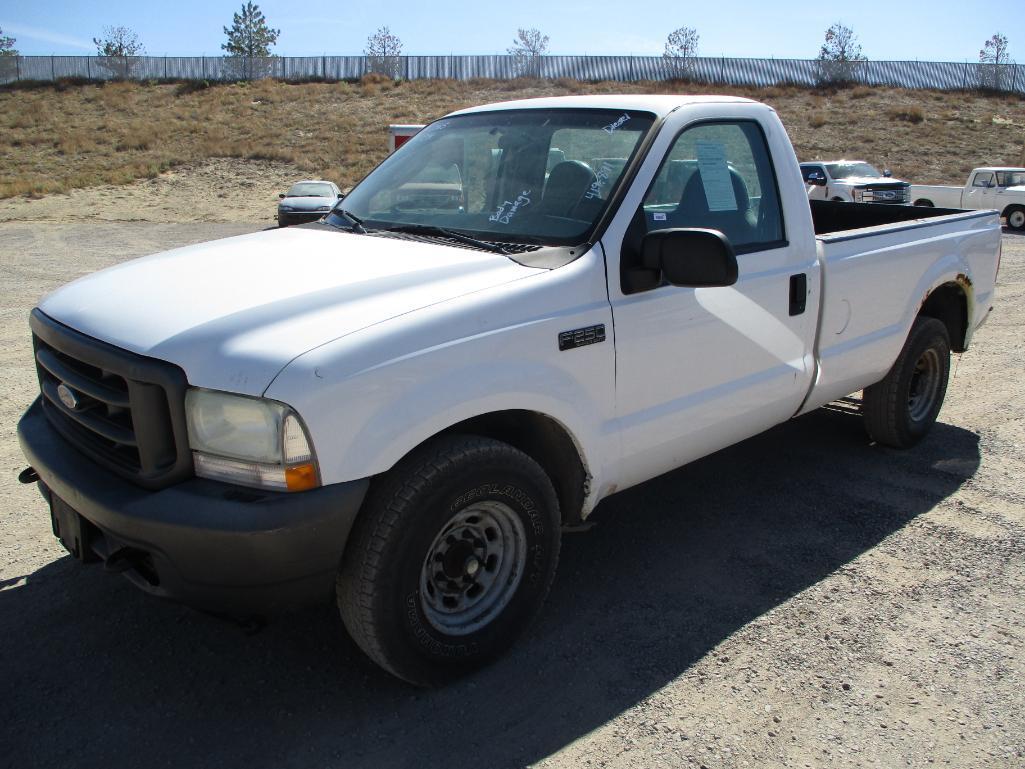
(803, 599)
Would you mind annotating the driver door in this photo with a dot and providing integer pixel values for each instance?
(698, 369)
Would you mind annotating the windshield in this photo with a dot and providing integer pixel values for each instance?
(310, 190)
(848, 170)
(1015, 178)
(519, 176)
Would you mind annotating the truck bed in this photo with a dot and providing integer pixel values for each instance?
(832, 217)
(878, 263)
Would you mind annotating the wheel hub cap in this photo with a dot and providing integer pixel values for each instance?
(925, 385)
(473, 568)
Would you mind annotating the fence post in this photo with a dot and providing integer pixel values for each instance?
(1014, 80)
(722, 70)
(964, 80)
(53, 70)
(88, 68)
(202, 63)
(17, 66)
(165, 66)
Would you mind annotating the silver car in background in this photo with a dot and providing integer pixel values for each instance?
(307, 201)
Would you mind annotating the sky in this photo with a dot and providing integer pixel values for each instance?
(938, 30)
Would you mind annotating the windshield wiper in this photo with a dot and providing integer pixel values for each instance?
(357, 223)
(430, 229)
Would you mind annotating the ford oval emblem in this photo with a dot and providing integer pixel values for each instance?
(67, 396)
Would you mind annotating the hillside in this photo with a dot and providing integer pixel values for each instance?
(59, 139)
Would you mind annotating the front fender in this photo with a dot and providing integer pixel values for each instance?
(371, 397)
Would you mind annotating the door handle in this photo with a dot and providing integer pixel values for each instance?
(798, 293)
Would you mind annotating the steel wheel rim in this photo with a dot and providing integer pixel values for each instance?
(1016, 219)
(925, 386)
(473, 568)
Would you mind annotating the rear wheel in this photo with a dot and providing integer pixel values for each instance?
(451, 559)
(902, 408)
(1016, 218)
(924, 203)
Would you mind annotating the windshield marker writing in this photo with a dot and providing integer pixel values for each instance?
(506, 211)
(611, 127)
(601, 179)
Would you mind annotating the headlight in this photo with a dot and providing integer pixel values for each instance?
(284, 208)
(249, 441)
(324, 208)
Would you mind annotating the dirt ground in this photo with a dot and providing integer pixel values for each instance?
(803, 599)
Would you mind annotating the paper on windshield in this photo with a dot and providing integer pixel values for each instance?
(715, 176)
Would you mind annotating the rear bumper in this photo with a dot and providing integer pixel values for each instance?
(211, 545)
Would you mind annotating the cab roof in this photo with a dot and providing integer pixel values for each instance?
(660, 105)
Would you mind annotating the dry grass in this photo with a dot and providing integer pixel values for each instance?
(912, 114)
(55, 139)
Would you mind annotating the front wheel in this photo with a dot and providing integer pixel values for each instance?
(1016, 218)
(901, 409)
(923, 203)
(452, 558)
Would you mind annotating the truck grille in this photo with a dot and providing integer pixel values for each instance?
(125, 411)
(891, 193)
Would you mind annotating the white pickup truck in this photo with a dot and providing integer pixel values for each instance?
(1001, 189)
(403, 405)
(852, 181)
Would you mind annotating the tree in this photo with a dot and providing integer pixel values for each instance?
(249, 43)
(383, 51)
(840, 57)
(681, 48)
(7, 45)
(528, 47)
(116, 50)
(994, 59)
(8, 64)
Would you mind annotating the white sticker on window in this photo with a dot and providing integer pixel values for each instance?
(715, 176)
(658, 217)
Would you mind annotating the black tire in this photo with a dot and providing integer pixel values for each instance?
(901, 409)
(386, 589)
(1015, 218)
(924, 203)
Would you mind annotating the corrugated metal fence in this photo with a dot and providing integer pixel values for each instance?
(721, 70)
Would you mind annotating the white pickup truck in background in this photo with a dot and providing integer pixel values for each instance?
(403, 404)
(999, 188)
(852, 181)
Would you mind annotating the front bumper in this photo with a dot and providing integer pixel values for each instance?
(207, 544)
(285, 218)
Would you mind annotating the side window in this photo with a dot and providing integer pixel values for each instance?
(717, 176)
(983, 180)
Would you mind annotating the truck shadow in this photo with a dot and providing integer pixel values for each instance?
(99, 674)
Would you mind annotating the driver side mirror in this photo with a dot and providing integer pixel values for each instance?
(341, 195)
(281, 195)
(695, 258)
(817, 180)
(887, 173)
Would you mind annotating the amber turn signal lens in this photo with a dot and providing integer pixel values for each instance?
(300, 477)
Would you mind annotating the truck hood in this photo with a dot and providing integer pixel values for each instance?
(232, 313)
